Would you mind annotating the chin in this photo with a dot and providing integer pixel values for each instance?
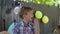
(30, 19)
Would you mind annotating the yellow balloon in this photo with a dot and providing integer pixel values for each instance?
(45, 19)
(38, 14)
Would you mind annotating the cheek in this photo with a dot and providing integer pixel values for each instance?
(29, 17)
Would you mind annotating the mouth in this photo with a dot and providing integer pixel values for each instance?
(32, 18)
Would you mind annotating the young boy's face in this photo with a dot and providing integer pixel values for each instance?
(29, 16)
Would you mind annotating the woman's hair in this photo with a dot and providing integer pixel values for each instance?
(24, 11)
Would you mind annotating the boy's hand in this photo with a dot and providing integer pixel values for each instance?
(37, 28)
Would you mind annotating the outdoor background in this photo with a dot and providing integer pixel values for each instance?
(52, 12)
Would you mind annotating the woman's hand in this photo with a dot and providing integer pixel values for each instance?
(37, 27)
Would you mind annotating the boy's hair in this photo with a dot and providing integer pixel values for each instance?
(24, 11)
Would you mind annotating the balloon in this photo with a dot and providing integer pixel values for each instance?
(38, 2)
(51, 3)
(33, 1)
(17, 9)
(46, 2)
(38, 14)
(27, 1)
(45, 19)
(24, 0)
(30, 0)
(43, 1)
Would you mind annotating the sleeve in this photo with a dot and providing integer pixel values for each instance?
(37, 28)
(16, 28)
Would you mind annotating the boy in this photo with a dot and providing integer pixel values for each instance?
(27, 25)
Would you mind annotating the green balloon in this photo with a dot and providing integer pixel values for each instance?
(43, 1)
(34, 1)
(50, 3)
(38, 2)
(30, 0)
(38, 14)
(47, 3)
(25, 0)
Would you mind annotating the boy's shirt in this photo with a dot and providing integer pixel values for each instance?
(21, 28)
